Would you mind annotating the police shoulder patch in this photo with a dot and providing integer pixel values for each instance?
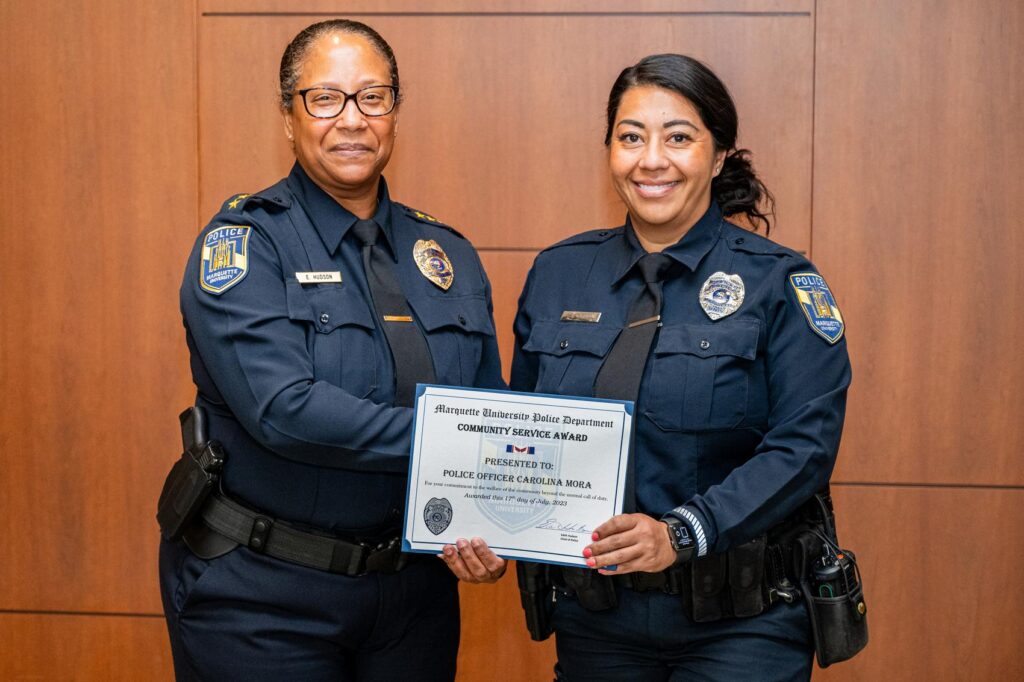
(224, 258)
(818, 304)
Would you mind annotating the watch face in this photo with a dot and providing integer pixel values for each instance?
(680, 535)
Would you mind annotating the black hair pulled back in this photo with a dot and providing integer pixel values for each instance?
(736, 189)
(297, 50)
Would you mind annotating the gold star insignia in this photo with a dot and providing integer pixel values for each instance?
(234, 202)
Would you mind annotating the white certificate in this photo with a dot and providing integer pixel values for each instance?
(531, 474)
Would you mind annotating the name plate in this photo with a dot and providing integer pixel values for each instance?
(531, 474)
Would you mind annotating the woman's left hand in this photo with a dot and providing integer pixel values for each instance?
(630, 542)
(473, 561)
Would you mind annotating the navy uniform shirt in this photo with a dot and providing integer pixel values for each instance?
(298, 376)
(738, 419)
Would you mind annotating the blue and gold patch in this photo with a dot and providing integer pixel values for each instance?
(818, 304)
(225, 258)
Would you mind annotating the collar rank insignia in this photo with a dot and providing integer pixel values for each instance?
(225, 258)
(233, 204)
(722, 295)
(433, 263)
(818, 305)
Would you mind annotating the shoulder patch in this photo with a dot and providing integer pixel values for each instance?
(818, 304)
(589, 237)
(224, 258)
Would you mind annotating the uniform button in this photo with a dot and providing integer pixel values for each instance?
(705, 344)
(564, 344)
(324, 318)
(257, 543)
(462, 320)
(740, 240)
(261, 526)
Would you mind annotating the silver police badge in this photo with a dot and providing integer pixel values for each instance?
(721, 295)
(437, 514)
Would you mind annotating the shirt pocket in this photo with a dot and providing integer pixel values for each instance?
(700, 376)
(339, 335)
(569, 355)
(456, 330)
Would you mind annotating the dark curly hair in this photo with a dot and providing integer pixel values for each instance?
(295, 54)
(736, 189)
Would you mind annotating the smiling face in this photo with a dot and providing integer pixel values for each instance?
(662, 159)
(344, 155)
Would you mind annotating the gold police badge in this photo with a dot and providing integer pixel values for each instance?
(433, 263)
(721, 295)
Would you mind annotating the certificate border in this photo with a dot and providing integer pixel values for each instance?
(512, 553)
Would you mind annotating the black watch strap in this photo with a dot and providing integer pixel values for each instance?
(681, 537)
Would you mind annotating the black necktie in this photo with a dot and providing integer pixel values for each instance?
(408, 347)
(619, 376)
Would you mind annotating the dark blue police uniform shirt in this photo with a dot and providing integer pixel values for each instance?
(298, 378)
(739, 419)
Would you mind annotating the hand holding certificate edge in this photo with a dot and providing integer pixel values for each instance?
(630, 542)
(472, 561)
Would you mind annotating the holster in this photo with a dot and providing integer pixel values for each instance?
(193, 477)
(536, 592)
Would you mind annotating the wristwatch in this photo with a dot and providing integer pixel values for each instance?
(681, 538)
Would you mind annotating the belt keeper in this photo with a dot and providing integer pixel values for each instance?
(261, 526)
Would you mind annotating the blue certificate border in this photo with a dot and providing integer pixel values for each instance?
(512, 552)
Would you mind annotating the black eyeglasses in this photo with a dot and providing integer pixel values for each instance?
(376, 100)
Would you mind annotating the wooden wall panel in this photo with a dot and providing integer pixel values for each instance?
(80, 648)
(507, 271)
(501, 132)
(940, 569)
(495, 643)
(312, 8)
(99, 205)
(918, 198)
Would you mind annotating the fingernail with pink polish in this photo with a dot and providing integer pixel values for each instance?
(587, 552)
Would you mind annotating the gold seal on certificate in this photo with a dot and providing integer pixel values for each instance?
(533, 475)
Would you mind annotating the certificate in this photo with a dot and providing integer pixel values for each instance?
(531, 474)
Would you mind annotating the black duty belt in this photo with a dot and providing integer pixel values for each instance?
(669, 581)
(283, 541)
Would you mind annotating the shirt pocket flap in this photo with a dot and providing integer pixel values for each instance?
(561, 338)
(469, 314)
(326, 306)
(738, 339)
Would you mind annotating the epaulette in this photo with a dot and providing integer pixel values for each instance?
(740, 239)
(589, 237)
(426, 218)
(276, 195)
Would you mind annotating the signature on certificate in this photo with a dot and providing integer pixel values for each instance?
(564, 527)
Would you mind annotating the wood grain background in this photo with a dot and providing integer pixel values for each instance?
(888, 131)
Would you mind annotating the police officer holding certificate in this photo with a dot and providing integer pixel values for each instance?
(732, 347)
(312, 309)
